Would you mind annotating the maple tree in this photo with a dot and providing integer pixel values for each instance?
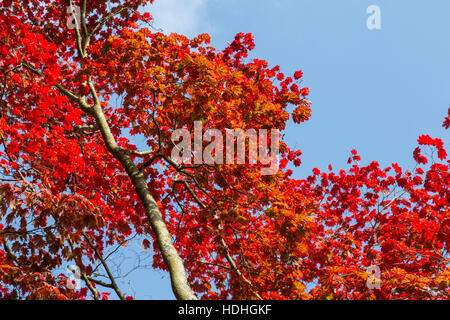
(73, 184)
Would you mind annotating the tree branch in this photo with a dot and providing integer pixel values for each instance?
(105, 266)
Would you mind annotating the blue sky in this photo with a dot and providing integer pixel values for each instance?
(371, 90)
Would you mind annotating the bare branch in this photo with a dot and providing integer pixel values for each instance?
(83, 22)
(90, 286)
(105, 266)
(101, 283)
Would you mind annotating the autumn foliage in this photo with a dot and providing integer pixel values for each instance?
(74, 184)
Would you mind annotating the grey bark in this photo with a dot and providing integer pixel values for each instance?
(173, 261)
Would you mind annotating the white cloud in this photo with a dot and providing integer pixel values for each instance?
(186, 17)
